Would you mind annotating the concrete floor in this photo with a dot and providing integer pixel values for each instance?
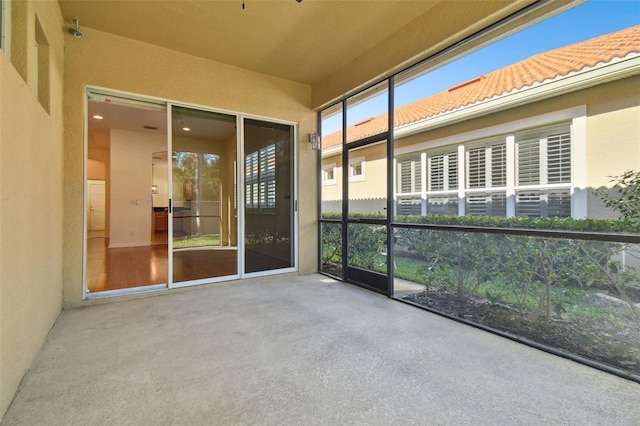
(300, 351)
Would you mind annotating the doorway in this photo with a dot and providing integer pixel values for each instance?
(269, 196)
(365, 172)
(96, 204)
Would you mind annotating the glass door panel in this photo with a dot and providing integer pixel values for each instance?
(268, 193)
(124, 250)
(204, 221)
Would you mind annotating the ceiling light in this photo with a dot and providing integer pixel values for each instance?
(186, 129)
(98, 117)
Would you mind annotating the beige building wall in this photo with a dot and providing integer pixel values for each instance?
(613, 130)
(333, 191)
(31, 209)
(112, 62)
(374, 183)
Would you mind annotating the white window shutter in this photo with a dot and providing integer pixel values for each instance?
(559, 158)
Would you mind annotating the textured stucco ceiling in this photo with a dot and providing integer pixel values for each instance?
(303, 42)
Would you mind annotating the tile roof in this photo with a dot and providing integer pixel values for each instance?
(544, 66)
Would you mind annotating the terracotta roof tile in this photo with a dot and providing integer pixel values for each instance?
(536, 69)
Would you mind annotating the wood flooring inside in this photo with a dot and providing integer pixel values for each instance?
(129, 267)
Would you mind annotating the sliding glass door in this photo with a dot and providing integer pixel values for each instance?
(179, 196)
(203, 197)
(268, 196)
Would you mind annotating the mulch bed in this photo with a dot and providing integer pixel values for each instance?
(593, 343)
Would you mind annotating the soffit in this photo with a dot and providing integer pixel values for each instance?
(303, 42)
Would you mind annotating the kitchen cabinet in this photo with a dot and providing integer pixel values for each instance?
(161, 220)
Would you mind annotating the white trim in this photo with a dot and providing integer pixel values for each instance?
(542, 187)
(579, 191)
(295, 200)
(85, 175)
(328, 182)
(126, 291)
(462, 179)
(169, 107)
(423, 183)
(240, 193)
(330, 152)
(360, 177)
(511, 176)
(485, 190)
(505, 128)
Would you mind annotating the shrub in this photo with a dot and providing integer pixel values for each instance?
(627, 203)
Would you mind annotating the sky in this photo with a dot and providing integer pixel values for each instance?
(588, 20)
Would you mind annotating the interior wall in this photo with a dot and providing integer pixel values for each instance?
(98, 149)
(31, 209)
(96, 170)
(160, 179)
(103, 60)
(130, 192)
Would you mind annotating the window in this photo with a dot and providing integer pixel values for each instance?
(539, 161)
(329, 174)
(356, 169)
(543, 174)
(260, 178)
(409, 174)
(486, 179)
(41, 66)
(409, 184)
(442, 182)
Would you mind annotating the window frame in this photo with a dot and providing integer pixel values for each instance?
(5, 22)
(325, 170)
(357, 161)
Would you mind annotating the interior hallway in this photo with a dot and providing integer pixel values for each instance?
(300, 350)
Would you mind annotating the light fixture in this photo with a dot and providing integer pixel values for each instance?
(76, 31)
(98, 117)
(315, 141)
(186, 129)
